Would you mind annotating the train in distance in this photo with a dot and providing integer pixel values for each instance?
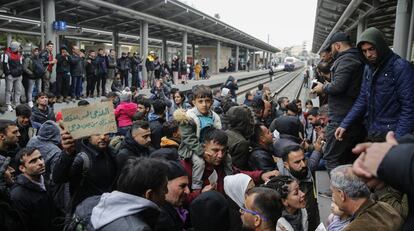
(292, 63)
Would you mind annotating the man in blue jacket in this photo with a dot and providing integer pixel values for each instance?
(385, 101)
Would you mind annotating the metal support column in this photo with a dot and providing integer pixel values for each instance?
(193, 52)
(184, 48)
(140, 40)
(402, 24)
(236, 60)
(78, 44)
(50, 17)
(264, 59)
(115, 42)
(218, 57)
(247, 59)
(144, 43)
(42, 25)
(164, 50)
(254, 61)
(9, 39)
(362, 25)
(410, 34)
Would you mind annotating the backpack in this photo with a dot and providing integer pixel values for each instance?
(38, 68)
(81, 219)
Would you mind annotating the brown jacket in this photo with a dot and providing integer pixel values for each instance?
(375, 216)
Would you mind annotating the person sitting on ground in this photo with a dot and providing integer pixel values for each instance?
(23, 114)
(9, 217)
(231, 84)
(137, 143)
(261, 158)
(296, 165)
(352, 196)
(210, 211)
(9, 140)
(124, 112)
(262, 209)
(235, 188)
(42, 111)
(29, 193)
(156, 119)
(338, 220)
(294, 215)
(248, 99)
(141, 186)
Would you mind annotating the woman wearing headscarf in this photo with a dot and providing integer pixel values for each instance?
(235, 187)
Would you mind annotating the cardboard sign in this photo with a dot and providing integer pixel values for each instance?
(89, 120)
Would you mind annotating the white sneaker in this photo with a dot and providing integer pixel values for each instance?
(10, 108)
(30, 103)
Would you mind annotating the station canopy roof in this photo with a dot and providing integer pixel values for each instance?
(343, 15)
(97, 19)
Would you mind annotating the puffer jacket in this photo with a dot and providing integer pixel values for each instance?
(40, 117)
(261, 158)
(124, 113)
(76, 65)
(130, 148)
(346, 80)
(386, 99)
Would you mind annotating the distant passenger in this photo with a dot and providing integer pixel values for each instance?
(342, 91)
(386, 99)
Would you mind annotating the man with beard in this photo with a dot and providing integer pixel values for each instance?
(9, 138)
(91, 171)
(295, 164)
(29, 193)
(173, 216)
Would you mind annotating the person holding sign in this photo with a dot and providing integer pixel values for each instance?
(90, 171)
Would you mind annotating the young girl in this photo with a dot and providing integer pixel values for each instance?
(125, 111)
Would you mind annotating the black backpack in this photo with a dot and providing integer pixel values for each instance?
(38, 68)
(81, 219)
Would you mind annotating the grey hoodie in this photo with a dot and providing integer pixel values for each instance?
(115, 205)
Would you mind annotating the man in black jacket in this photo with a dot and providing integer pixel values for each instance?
(101, 73)
(9, 138)
(76, 70)
(261, 157)
(23, 114)
(123, 65)
(62, 75)
(41, 112)
(29, 193)
(91, 71)
(156, 120)
(391, 162)
(135, 144)
(342, 91)
(92, 171)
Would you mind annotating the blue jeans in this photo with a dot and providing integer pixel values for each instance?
(76, 86)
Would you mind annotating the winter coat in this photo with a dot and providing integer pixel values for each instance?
(169, 219)
(155, 123)
(92, 67)
(345, 83)
(123, 64)
(26, 133)
(102, 65)
(130, 148)
(112, 64)
(233, 87)
(195, 114)
(28, 68)
(386, 99)
(33, 204)
(12, 63)
(149, 63)
(40, 117)
(63, 64)
(396, 170)
(119, 211)
(99, 177)
(76, 65)
(239, 149)
(375, 216)
(116, 86)
(124, 113)
(283, 224)
(261, 158)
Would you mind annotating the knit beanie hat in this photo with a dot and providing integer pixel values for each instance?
(14, 46)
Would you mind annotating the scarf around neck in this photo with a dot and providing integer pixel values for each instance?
(295, 220)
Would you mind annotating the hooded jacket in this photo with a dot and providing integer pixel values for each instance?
(124, 113)
(155, 123)
(33, 203)
(40, 117)
(100, 175)
(124, 212)
(130, 148)
(386, 99)
(345, 83)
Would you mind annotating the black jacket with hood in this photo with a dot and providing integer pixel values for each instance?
(130, 148)
(99, 177)
(261, 158)
(346, 78)
(40, 117)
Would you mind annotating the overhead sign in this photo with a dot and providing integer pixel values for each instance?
(89, 120)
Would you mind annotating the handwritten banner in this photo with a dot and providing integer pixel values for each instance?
(89, 120)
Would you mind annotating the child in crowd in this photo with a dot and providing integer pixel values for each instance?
(203, 116)
(125, 111)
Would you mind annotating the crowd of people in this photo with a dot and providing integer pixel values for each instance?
(82, 74)
(201, 161)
